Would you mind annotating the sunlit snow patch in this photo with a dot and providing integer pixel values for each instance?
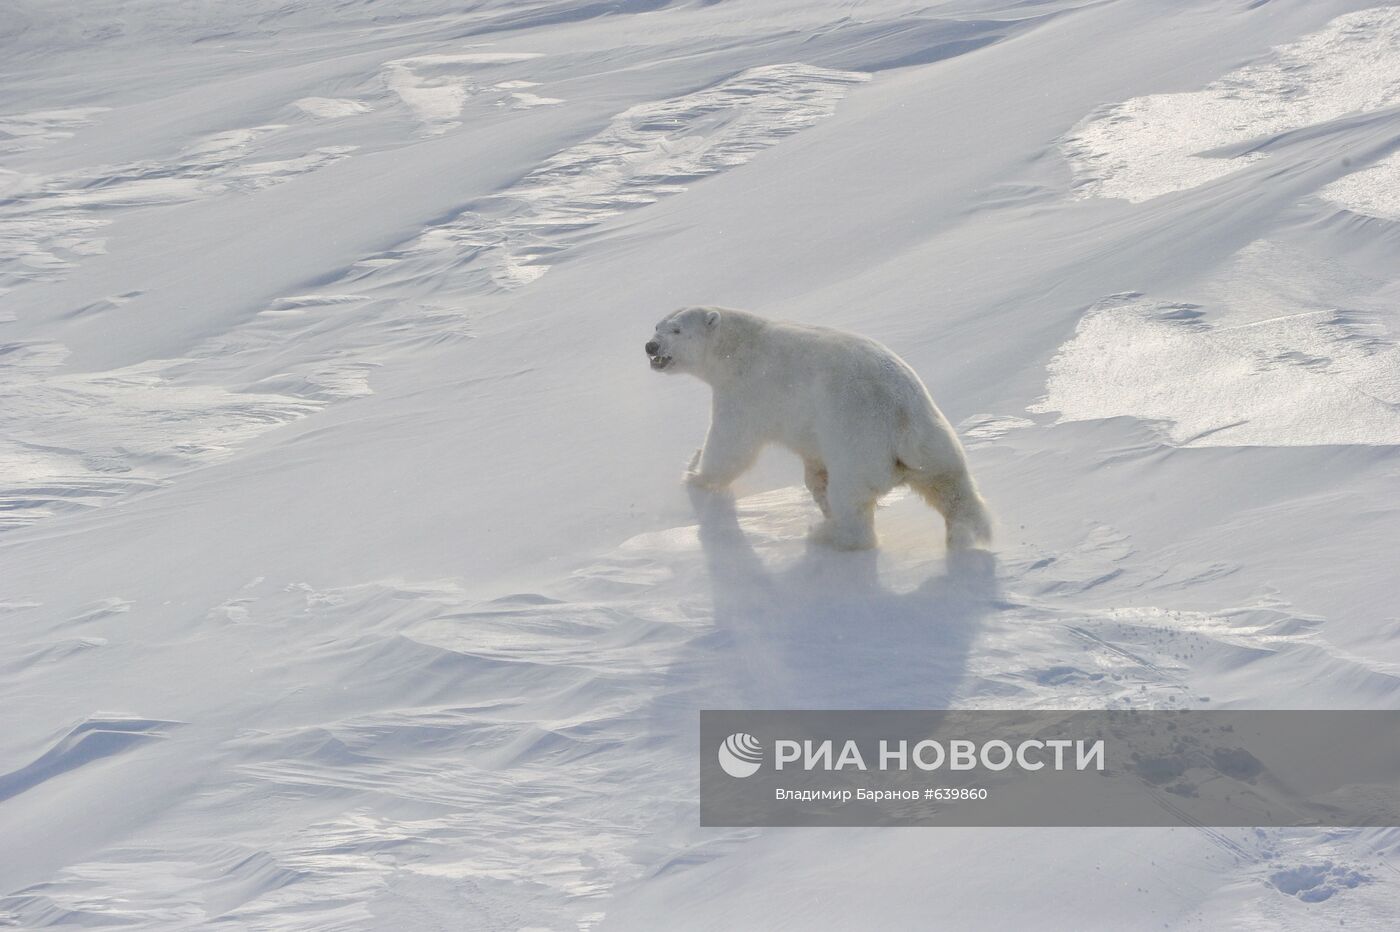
(1277, 363)
(330, 108)
(1149, 146)
(435, 102)
(435, 88)
(988, 428)
(523, 100)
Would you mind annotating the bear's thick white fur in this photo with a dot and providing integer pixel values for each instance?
(857, 415)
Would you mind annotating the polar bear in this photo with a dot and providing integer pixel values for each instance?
(857, 415)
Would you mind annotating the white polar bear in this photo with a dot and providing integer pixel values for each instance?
(856, 413)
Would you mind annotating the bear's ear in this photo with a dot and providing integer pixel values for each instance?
(711, 320)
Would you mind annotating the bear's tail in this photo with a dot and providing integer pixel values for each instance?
(955, 496)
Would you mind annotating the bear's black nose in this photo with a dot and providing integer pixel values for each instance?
(652, 347)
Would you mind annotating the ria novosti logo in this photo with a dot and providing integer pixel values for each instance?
(741, 755)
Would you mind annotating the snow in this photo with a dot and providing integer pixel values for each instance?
(331, 108)
(346, 576)
(1373, 191)
(1150, 146)
(1281, 357)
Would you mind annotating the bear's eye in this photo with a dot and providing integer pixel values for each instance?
(676, 330)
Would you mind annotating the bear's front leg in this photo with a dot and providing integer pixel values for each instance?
(730, 448)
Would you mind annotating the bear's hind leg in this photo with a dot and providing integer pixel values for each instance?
(964, 513)
(851, 524)
(814, 473)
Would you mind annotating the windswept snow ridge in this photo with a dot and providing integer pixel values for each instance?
(138, 426)
(647, 152)
(21, 132)
(75, 440)
(1150, 146)
(47, 223)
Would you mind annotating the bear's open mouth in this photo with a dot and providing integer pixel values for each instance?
(659, 362)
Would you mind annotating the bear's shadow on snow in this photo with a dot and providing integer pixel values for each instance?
(825, 633)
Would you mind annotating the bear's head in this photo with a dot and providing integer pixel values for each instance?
(682, 340)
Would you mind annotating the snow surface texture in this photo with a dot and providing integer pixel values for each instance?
(1373, 191)
(1286, 358)
(1153, 145)
(346, 577)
